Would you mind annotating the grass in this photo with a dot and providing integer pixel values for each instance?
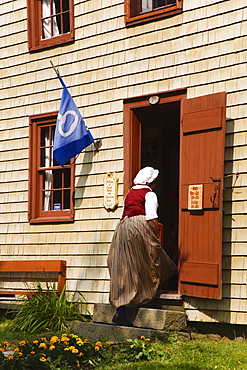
(193, 354)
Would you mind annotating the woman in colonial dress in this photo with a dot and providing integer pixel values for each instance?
(137, 263)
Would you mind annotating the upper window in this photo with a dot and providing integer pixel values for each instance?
(51, 187)
(138, 11)
(50, 23)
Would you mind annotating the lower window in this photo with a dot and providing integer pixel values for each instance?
(51, 187)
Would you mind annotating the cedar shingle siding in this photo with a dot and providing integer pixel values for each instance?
(202, 49)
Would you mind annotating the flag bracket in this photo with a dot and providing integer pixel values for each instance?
(97, 144)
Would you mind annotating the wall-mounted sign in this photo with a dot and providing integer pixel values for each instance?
(110, 191)
(195, 197)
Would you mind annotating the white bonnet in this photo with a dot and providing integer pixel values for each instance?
(146, 175)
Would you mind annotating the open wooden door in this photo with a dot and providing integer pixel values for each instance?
(201, 187)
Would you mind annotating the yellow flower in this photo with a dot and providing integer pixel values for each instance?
(85, 340)
(16, 350)
(23, 342)
(54, 339)
(35, 342)
(6, 344)
(65, 339)
(142, 337)
(97, 348)
(75, 350)
(20, 354)
(43, 359)
(43, 345)
(81, 354)
(66, 349)
(32, 352)
(71, 347)
(51, 348)
(79, 342)
(147, 339)
(98, 344)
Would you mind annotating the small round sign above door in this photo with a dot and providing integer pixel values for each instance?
(110, 191)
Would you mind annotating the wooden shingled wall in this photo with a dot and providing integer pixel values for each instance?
(201, 49)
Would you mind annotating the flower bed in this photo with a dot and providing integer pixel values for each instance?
(67, 352)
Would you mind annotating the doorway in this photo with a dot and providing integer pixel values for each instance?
(184, 139)
(160, 132)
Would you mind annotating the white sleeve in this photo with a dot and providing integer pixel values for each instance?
(151, 205)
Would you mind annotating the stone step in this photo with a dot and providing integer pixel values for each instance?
(95, 332)
(149, 318)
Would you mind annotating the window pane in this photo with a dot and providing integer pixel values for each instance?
(65, 5)
(57, 179)
(66, 25)
(67, 178)
(57, 200)
(67, 199)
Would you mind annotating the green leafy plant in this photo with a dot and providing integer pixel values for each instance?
(45, 310)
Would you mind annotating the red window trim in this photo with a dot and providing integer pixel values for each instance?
(35, 28)
(151, 16)
(35, 212)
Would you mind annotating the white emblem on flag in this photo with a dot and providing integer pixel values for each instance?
(73, 125)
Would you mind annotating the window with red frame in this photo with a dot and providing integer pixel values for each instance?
(50, 23)
(139, 11)
(51, 187)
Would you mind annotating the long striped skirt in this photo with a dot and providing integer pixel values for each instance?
(137, 263)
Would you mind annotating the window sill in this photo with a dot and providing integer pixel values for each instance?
(51, 219)
(52, 42)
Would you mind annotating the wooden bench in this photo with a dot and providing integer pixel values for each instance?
(34, 266)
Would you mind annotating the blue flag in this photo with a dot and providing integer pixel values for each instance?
(71, 134)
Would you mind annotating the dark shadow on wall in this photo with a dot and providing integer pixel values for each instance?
(81, 179)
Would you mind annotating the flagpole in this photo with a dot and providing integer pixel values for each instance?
(56, 70)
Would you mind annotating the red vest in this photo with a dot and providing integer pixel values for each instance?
(134, 204)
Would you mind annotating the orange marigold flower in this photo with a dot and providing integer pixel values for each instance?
(20, 354)
(6, 344)
(81, 354)
(1, 350)
(97, 348)
(44, 338)
(9, 357)
(75, 350)
(16, 350)
(109, 343)
(98, 344)
(35, 342)
(51, 348)
(85, 340)
(43, 359)
(32, 352)
(23, 342)
(66, 349)
(142, 337)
